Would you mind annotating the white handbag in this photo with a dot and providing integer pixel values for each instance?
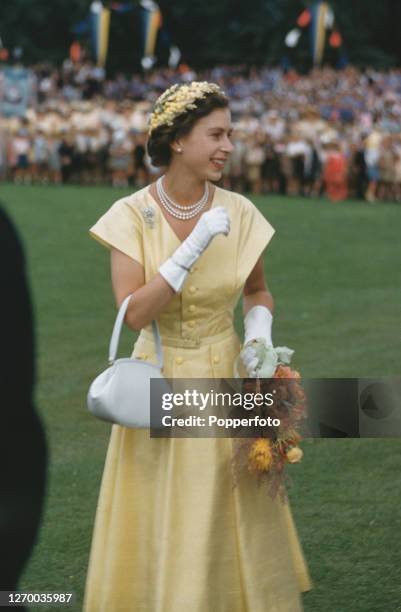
(121, 394)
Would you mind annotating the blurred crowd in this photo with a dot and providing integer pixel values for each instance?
(334, 133)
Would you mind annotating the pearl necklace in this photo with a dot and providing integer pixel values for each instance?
(176, 210)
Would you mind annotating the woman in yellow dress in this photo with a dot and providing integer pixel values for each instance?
(171, 533)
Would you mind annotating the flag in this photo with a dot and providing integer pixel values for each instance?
(304, 19)
(335, 39)
(75, 52)
(342, 60)
(151, 23)
(292, 38)
(320, 12)
(100, 26)
(174, 57)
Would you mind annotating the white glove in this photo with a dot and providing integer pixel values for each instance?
(175, 270)
(261, 361)
(250, 360)
(258, 324)
(258, 341)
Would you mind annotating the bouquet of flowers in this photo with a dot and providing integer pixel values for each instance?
(267, 455)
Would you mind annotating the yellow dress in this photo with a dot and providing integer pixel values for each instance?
(171, 533)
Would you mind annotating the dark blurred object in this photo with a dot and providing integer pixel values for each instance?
(23, 449)
(332, 406)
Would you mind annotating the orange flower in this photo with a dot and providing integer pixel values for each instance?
(286, 372)
(294, 455)
(281, 372)
(260, 457)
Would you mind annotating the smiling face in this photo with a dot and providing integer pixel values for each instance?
(205, 149)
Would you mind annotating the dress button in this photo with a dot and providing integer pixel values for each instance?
(192, 308)
(179, 360)
(216, 359)
(191, 323)
(192, 289)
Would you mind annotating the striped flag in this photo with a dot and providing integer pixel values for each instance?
(100, 26)
(151, 23)
(320, 16)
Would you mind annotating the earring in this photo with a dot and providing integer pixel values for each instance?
(179, 150)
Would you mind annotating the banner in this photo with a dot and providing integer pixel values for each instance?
(174, 57)
(292, 38)
(320, 16)
(16, 89)
(151, 23)
(100, 26)
(304, 19)
(75, 51)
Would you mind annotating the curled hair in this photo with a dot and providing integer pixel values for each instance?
(161, 137)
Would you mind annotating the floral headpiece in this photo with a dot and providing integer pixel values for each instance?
(179, 99)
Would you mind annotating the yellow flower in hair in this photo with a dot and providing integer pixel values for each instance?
(179, 99)
(260, 457)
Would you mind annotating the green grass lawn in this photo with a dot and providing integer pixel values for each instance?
(334, 272)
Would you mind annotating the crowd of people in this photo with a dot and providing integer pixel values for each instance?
(330, 132)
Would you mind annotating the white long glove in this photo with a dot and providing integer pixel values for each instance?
(258, 325)
(258, 355)
(176, 269)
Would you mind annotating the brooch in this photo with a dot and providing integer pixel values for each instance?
(149, 216)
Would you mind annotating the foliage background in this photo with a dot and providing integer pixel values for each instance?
(206, 32)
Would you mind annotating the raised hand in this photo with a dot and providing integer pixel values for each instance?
(213, 222)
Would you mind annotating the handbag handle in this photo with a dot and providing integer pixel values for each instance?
(115, 336)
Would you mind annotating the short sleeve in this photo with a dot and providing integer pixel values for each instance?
(120, 227)
(255, 233)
